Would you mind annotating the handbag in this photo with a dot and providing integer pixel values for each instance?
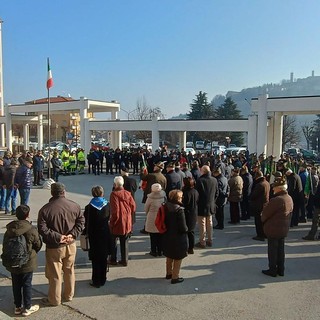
(84, 238)
(84, 242)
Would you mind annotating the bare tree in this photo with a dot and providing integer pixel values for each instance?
(290, 134)
(308, 131)
(145, 112)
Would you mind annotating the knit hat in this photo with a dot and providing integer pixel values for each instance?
(156, 187)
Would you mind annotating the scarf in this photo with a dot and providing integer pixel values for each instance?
(98, 202)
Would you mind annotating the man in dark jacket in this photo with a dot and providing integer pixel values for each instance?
(276, 217)
(8, 182)
(258, 199)
(22, 276)
(221, 201)
(60, 222)
(207, 187)
(22, 180)
(173, 179)
(296, 192)
(246, 191)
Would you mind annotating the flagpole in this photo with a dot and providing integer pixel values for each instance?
(49, 155)
(49, 160)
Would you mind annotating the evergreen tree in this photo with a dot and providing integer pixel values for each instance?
(229, 111)
(201, 108)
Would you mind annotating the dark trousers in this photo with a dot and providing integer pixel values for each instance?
(135, 167)
(109, 168)
(191, 239)
(96, 168)
(21, 283)
(36, 177)
(99, 271)
(276, 255)
(259, 227)
(124, 239)
(220, 216)
(155, 241)
(310, 206)
(244, 205)
(295, 214)
(234, 212)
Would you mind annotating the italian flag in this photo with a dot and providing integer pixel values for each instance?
(49, 79)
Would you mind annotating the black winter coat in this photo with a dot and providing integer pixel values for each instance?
(98, 230)
(190, 203)
(175, 239)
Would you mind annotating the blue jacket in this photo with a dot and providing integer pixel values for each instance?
(23, 177)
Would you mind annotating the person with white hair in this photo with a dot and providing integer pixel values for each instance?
(154, 200)
(276, 216)
(122, 206)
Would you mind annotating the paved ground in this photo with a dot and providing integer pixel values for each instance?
(223, 282)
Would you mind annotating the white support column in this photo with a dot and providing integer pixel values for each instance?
(270, 128)
(182, 139)
(277, 134)
(117, 135)
(40, 131)
(252, 133)
(87, 137)
(8, 128)
(26, 136)
(262, 124)
(155, 134)
(83, 120)
(2, 112)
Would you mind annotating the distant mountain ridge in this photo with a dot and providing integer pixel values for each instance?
(286, 88)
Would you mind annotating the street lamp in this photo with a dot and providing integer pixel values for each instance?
(128, 114)
(75, 127)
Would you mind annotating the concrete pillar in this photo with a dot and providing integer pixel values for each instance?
(252, 133)
(87, 136)
(117, 135)
(40, 131)
(155, 134)
(8, 128)
(26, 136)
(262, 124)
(277, 134)
(182, 139)
(2, 112)
(270, 126)
(83, 131)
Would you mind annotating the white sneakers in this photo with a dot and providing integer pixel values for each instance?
(32, 309)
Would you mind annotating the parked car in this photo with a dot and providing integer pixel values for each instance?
(235, 151)
(200, 145)
(189, 144)
(187, 150)
(309, 154)
(293, 152)
(217, 149)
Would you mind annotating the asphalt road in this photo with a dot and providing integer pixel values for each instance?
(222, 282)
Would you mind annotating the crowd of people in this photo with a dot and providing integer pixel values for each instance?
(193, 192)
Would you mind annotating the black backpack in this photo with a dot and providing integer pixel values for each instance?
(15, 253)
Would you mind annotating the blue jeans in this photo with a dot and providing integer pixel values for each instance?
(22, 282)
(11, 199)
(3, 193)
(24, 196)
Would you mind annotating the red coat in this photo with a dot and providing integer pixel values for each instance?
(122, 207)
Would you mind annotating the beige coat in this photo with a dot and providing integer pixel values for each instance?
(154, 201)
